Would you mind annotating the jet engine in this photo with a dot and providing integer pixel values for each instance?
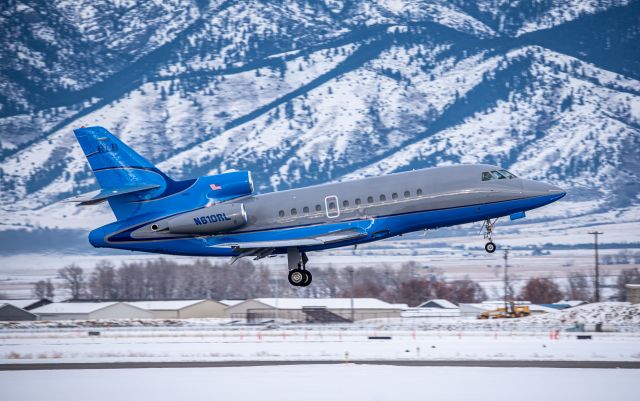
(209, 220)
(229, 185)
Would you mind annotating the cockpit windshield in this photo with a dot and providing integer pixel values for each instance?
(507, 174)
(497, 175)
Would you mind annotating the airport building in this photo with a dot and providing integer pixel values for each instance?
(26, 304)
(90, 311)
(231, 302)
(438, 304)
(433, 308)
(199, 308)
(325, 310)
(633, 293)
(473, 310)
(10, 312)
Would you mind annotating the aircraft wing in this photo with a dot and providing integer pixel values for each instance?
(101, 195)
(320, 239)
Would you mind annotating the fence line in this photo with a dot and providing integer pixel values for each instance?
(306, 333)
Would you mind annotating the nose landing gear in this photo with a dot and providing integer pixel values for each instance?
(487, 226)
(298, 276)
(490, 247)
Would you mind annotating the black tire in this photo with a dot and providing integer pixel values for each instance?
(490, 247)
(296, 277)
(307, 278)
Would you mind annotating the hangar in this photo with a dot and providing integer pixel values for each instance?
(231, 302)
(433, 308)
(90, 311)
(198, 308)
(10, 312)
(26, 304)
(326, 310)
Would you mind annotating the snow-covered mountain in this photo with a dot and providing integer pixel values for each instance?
(301, 92)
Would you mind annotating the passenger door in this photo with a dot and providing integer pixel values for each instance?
(331, 206)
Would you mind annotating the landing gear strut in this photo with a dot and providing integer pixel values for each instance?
(299, 276)
(487, 226)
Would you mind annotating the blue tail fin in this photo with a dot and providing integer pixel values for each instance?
(131, 178)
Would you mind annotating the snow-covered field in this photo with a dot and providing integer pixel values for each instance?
(159, 345)
(411, 340)
(542, 337)
(322, 382)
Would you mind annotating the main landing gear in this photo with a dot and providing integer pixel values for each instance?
(487, 226)
(299, 276)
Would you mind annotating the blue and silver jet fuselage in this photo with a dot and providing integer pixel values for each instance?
(221, 216)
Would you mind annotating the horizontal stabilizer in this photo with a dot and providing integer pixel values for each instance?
(101, 195)
(328, 238)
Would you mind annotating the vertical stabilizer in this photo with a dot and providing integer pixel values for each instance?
(133, 180)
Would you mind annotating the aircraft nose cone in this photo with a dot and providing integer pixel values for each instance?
(537, 188)
(557, 190)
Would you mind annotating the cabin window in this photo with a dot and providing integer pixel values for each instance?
(281, 213)
(318, 208)
(394, 196)
(305, 210)
(419, 192)
(383, 198)
(332, 206)
(407, 194)
(345, 203)
(370, 200)
(358, 202)
(294, 211)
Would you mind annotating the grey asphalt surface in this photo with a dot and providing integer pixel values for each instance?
(228, 364)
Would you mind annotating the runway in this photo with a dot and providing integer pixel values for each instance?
(406, 363)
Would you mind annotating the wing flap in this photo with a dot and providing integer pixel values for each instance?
(101, 195)
(331, 237)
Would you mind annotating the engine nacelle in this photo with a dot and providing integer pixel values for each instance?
(209, 220)
(230, 185)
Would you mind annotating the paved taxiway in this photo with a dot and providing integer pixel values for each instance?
(227, 364)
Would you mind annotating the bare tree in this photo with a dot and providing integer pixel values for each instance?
(49, 290)
(131, 281)
(540, 290)
(73, 277)
(43, 289)
(39, 289)
(164, 279)
(579, 287)
(102, 283)
(466, 291)
(415, 291)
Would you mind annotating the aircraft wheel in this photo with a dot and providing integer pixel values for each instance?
(308, 277)
(297, 277)
(490, 247)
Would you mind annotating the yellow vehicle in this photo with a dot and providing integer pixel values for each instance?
(506, 313)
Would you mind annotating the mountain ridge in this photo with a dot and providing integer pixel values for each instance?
(309, 92)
